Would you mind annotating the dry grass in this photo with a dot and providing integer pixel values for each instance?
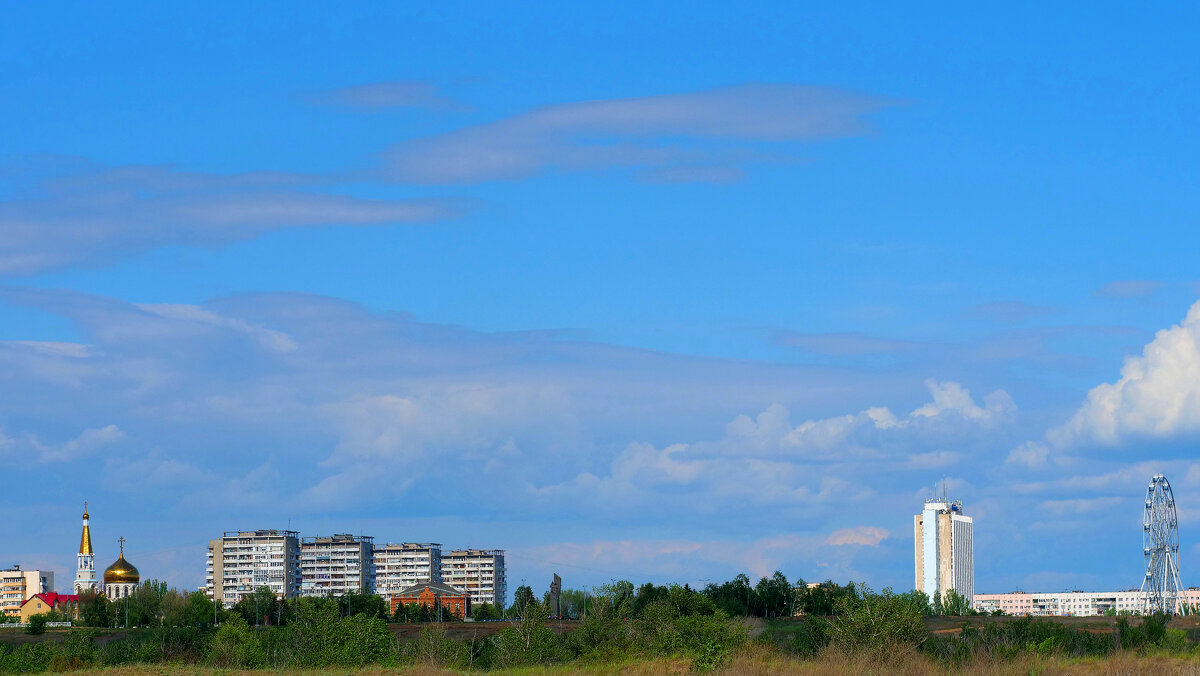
(758, 661)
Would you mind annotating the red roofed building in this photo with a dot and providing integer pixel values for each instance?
(431, 594)
(44, 603)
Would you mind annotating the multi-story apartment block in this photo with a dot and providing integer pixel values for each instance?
(17, 586)
(400, 566)
(336, 565)
(239, 562)
(945, 551)
(479, 572)
(1075, 603)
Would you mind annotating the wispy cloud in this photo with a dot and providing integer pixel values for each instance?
(94, 215)
(395, 94)
(26, 446)
(684, 560)
(843, 344)
(699, 135)
(1129, 288)
(1009, 311)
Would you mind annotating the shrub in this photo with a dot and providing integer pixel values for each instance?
(878, 622)
(434, 648)
(27, 658)
(36, 625)
(529, 643)
(805, 638)
(236, 646)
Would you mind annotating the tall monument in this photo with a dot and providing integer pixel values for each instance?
(85, 573)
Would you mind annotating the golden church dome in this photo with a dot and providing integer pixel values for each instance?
(121, 571)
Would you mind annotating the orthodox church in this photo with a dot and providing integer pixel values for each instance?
(120, 579)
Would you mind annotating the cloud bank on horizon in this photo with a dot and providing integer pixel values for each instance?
(333, 397)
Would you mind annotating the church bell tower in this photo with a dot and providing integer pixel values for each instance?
(85, 574)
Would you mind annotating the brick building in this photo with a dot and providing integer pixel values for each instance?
(430, 594)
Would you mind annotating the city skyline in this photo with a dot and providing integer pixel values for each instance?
(665, 296)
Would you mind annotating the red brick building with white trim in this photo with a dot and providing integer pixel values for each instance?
(454, 601)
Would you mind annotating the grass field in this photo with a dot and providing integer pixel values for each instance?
(760, 662)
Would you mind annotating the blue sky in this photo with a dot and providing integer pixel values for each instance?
(660, 291)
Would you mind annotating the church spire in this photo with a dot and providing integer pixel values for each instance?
(85, 539)
(85, 572)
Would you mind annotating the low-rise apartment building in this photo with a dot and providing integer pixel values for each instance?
(336, 565)
(478, 572)
(18, 586)
(400, 566)
(240, 562)
(1073, 603)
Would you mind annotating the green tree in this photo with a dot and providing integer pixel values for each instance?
(919, 600)
(521, 600)
(485, 611)
(262, 607)
(736, 597)
(613, 600)
(94, 610)
(531, 642)
(953, 604)
(575, 603)
(197, 611)
(775, 596)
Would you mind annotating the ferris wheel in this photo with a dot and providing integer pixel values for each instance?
(1160, 546)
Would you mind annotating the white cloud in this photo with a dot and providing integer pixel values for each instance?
(862, 536)
(952, 406)
(766, 461)
(1032, 454)
(1156, 397)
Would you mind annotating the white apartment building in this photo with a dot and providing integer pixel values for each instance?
(335, 565)
(399, 566)
(16, 586)
(945, 550)
(1073, 603)
(239, 562)
(479, 572)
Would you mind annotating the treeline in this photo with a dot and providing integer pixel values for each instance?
(771, 597)
(154, 604)
(775, 597)
(651, 622)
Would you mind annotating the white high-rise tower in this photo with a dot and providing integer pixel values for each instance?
(85, 573)
(945, 550)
